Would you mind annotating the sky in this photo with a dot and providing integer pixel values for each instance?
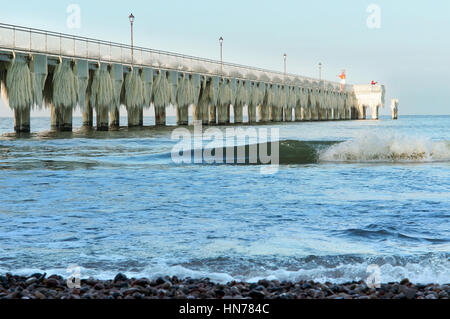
(405, 46)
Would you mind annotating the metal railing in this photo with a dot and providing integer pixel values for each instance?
(29, 40)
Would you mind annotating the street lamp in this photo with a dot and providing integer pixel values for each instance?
(221, 53)
(320, 71)
(131, 17)
(285, 64)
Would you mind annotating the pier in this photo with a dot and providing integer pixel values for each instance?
(61, 72)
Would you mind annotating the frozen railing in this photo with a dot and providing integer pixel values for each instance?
(22, 39)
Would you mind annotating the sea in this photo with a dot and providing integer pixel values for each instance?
(348, 197)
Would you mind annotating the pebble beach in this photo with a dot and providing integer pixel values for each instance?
(41, 286)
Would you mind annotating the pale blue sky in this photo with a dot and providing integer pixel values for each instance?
(409, 54)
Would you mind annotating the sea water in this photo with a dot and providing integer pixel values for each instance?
(348, 194)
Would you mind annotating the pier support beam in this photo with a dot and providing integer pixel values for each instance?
(133, 117)
(22, 120)
(375, 112)
(182, 115)
(252, 113)
(223, 114)
(212, 115)
(160, 116)
(102, 119)
(88, 115)
(238, 113)
(114, 118)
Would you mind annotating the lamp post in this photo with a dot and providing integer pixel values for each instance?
(131, 17)
(221, 54)
(320, 71)
(285, 64)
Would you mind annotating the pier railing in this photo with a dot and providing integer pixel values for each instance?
(29, 40)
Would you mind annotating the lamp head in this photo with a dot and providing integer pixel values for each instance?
(131, 18)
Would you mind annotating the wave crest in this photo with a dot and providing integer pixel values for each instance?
(387, 148)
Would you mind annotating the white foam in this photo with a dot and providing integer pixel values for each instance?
(388, 147)
(426, 272)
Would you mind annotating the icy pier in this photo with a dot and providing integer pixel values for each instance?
(43, 69)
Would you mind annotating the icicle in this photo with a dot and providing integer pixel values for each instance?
(65, 87)
(161, 96)
(241, 100)
(183, 99)
(81, 70)
(39, 70)
(102, 90)
(134, 90)
(19, 85)
(116, 73)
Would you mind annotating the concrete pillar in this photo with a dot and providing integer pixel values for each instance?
(133, 117)
(252, 114)
(306, 114)
(66, 124)
(238, 113)
(212, 115)
(395, 114)
(22, 120)
(223, 114)
(160, 116)
(141, 117)
(102, 119)
(114, 118)
(182, 115)
(55, 118)
(197, 113)
(288, 114)
(88, 114)
(298, 113)
(329, 114)
(375, 112)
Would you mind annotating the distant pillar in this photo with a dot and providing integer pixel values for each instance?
(298, 112)
(375, 112)
(395, 114)
(394, 107)
(222, 114)
(252, 113)
(114, 118)
(212, 115)
(22, 120)
(238, 113)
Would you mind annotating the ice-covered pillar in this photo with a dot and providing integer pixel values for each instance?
(298, 105)
(394, 108)
(224, 100)
(116, 72)
(22, 120)
(182, 113)
(183, 99)
(196, 83)
(133, 117)
(252, 100)
(88, 111)
(239, 99)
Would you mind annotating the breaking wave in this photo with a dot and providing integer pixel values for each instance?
(389, 148)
